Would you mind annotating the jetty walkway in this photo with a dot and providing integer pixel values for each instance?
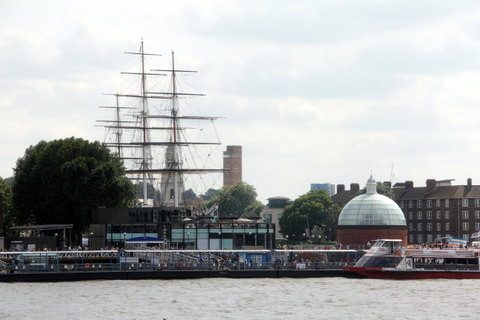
(172, 264)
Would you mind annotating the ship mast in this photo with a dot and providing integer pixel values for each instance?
(173, 169)
(176, 157)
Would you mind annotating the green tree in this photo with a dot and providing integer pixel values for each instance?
(209, 194)
(5, 205)
(189, 196)
(61, 181)
(385, 189)
(253, 210)
(313, 213)
(238, 200)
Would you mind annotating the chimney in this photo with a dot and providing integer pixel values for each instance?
(469, 184)
(354, 187)
(431, 184)
(408, 185)
(340, 188)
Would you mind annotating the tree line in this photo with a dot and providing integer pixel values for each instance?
(62, 181)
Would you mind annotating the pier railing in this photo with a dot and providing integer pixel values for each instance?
(171, 260)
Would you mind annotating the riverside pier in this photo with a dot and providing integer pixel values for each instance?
(39, 266)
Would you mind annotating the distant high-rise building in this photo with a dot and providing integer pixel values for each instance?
(232, 164)
(327, 187)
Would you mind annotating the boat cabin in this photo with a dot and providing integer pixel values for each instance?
(383, 253)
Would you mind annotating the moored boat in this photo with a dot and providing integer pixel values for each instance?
(387, 259)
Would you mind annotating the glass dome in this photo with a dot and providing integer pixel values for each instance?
(371, 209)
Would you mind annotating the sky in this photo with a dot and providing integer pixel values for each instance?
(314, 91)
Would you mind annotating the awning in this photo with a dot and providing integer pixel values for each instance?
(144, 240)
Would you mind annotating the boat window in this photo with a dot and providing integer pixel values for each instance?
(386, 262)
(379, 244)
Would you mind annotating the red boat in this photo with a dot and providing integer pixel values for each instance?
(387, 259)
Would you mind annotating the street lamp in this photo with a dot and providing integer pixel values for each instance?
(124, 239)
(90, 241)
(56, 240)
(188, 239)
(220, 237)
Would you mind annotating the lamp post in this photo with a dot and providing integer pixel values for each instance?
(124, 239)
(56, 240)
(90, 241)
(220, 238)
(188, 240)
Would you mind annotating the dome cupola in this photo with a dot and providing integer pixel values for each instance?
(371, 209)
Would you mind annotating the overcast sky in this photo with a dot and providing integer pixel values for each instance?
(314, 91)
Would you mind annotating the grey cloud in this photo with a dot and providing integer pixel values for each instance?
(317, 22)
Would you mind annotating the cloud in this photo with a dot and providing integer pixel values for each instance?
(315, 92)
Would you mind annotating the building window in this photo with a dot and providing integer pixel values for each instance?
(410, 203)
(419, 203)
(447, 203)
(419, 238)
(419, 215)
(477, 214)
(410, 215)
(419, 226)
(447, 226)
(447, 215)
(438, 215)
(410, 238)
(429, 226)
(464, 214)
(477, 226)
(464, 203)
(466, 237)
(429, 203)
(439, 226)
(401, 204)
(429, 215)
(437, 203)
(429, 237)
(465, 226)
(410, 226)
(477, 203)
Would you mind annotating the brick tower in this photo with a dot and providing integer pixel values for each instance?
(232, 164)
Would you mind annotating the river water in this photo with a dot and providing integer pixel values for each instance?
(315, 298)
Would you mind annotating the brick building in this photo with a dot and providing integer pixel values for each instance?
(343, 196)
(439, 209)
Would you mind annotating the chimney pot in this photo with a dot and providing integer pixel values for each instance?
(408, 185)
(354, 187)
(431, 183)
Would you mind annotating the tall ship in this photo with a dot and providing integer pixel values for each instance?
(388, 259)
(163, 146)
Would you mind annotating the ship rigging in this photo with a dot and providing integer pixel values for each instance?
(138, 130)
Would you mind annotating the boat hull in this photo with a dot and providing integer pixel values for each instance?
(380, 273)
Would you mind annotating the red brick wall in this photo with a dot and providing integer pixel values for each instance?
(358, 237)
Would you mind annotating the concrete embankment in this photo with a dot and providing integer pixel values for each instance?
(167, 275)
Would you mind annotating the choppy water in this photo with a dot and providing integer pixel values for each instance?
(317, 298)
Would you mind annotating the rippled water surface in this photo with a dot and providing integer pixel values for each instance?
(316, 298)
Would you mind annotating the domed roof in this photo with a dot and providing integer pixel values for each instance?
(371, 209)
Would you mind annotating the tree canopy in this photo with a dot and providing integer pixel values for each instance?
(5, 204)
(313, 213)
(61, 181)
(238, 200)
